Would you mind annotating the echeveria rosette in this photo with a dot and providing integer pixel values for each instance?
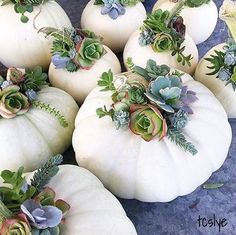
(168, 94)
(59, 61)
(162, 42)
(148, 122)
(89, 51)
(13, 102)
(17, 225)
(15, 76)
(112, 8)
(177, 23)
(41, 217)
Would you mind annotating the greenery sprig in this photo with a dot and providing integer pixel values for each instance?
(153, 104)
(24, 6)
(165, 31)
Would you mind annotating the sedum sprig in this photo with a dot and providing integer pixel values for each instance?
(43, 175)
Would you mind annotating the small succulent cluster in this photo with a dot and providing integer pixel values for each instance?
(151, 101)
(74, 49)
(31, 208)
(19, 90)
(24, 6)
(165, 31)
(115, 8)
(224, 63)
(196, 3)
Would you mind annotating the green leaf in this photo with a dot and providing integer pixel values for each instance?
(212, 185)
(102, 112)
(106, 81)
(24, 19)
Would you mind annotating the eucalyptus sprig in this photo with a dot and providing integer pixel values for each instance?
(24, 6)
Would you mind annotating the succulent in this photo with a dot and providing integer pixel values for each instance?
(163, 42)
(230, 58)
(146, 37)
(59, 61)
(147, 121)
(41, 217)
(15, 76)
(121, 118)
(224, 74)
(179, 120)
(196, 3)
(177, 23)
(17, 225)
(89, 51)
(165, 92)
(31, 94)
(12, 102)
(113, 9)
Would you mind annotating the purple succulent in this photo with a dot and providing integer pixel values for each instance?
(112, 8)
(178, 25)
(60, 62)
(41, 217)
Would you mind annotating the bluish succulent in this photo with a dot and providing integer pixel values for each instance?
(121, 118)
(146, 37)
(168, 94)
(49, 231)
(6, 84)
(230, 58)
(165, 91)
(41, 217)
(113, 8)
(224, 74)
(31, 94)
(179, 120)
(60, 62)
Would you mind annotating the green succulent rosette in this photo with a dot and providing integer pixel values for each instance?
(147, 121)
(13, 102)
(89, 52)
(162, 42)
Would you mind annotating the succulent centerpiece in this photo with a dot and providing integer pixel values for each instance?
(155, 107)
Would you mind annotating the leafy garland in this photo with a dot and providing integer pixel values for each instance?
(74, 49)
(18, 92)
(31, 208)
(223, 64)
(151, 101)
(165, 31)
(24, 6)
(115, 8)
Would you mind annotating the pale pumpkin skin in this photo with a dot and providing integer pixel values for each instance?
(21, 45)
(225, 94)
(140, 54)
(78, 84)
(155, 171)
(115, 33)
(32, 138)
(94, 210)
(200, 21)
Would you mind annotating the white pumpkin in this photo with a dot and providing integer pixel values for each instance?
(30, 139)
(140, 54)
(93, 210)
(78, 84)
(225, 94)
(155, 171)
(21, 45)
(115, 33)
(200, 21)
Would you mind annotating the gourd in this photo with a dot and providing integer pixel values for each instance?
(152, 170)
(163, 38)
(216, 68)
(21, 45)
(200, 20)
(42, 127)
(93, 210)
(115, 32)
(78, 76)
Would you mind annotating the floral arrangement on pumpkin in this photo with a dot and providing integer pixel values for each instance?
(24, 6)
(152, 102)
(18, 92)
(31, 208)
(165, 31)
(115, 8)
(74, 49)
(224, 62)
(193, 3)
